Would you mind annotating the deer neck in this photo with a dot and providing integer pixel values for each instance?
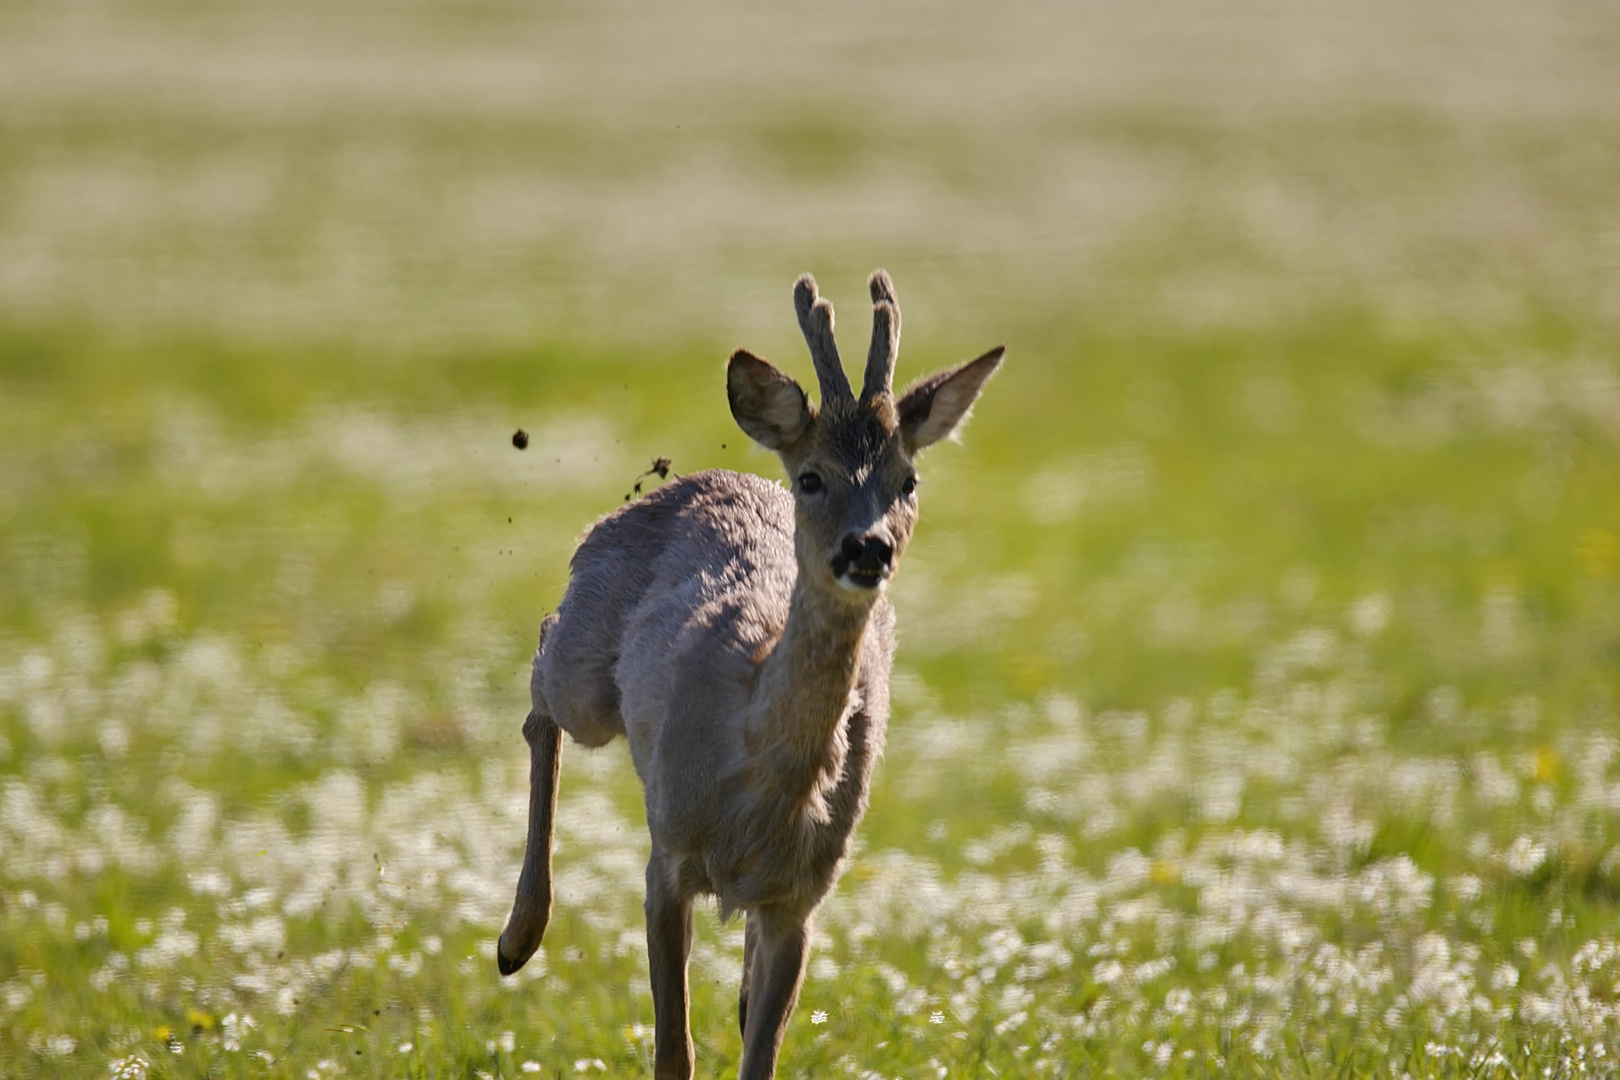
(803, 692)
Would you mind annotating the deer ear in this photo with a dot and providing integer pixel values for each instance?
(931, 408)
(770, 407)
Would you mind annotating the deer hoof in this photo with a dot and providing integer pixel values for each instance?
(507, 959)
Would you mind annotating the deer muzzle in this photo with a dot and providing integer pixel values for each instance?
(863, 562)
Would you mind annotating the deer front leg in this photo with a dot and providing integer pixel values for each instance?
(750, 935)
(780, 952)
(669, 943)
(531, 908)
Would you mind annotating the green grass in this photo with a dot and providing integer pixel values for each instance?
(1255, 708)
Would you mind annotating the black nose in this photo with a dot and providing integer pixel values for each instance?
(865, 556)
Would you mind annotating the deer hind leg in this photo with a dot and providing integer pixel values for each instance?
(780, 952)
(669, 944)
(531, 909)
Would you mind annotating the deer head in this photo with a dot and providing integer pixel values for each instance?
(851, 462)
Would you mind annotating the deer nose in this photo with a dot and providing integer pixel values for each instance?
(867, 556)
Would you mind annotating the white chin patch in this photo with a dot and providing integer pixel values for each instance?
(864, 586)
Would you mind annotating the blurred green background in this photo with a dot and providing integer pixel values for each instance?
(1284, 549)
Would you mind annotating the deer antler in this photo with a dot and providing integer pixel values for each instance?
(885, 338)
(816, 320)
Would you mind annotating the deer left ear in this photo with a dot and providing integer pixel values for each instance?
(766, 404)
(932, 408)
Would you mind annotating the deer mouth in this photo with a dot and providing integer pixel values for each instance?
(862, 579)
(858, 578)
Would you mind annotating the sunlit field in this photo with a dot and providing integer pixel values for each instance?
(1257, 706)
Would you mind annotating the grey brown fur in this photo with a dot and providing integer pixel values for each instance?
(739, 637)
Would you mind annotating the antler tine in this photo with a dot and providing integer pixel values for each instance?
(816, 320)
(885, 338)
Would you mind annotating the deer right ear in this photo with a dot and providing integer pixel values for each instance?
(770, 407)
(931, 408)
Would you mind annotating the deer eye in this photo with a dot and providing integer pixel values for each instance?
(910, 486)
(810, 482)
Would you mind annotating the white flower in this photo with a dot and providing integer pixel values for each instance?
(130, 1068)
(235, 1028)
(1108, 972)
(1523, 856)
(818, 1017)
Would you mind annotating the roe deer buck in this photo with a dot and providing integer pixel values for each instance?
(739, 637)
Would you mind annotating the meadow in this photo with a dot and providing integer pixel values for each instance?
(1257, 706)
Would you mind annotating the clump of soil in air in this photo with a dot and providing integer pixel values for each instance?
(520, 439)
(660, 468)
